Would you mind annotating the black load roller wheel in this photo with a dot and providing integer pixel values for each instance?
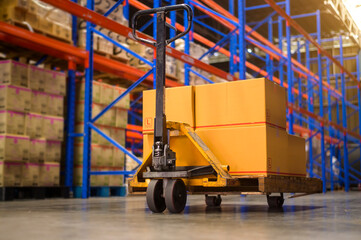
(155, 199)
(275, 202)
(175, 195)
(213, 201)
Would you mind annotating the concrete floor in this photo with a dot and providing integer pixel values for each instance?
(332, 216)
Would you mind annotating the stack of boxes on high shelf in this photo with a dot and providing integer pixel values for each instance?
(31, 124)
(104, 155)
(242, 122)
(103, 46)
(42, 17)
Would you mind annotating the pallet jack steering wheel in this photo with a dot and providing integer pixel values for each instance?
(163, 193)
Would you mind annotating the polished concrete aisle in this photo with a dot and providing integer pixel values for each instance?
(330, 216)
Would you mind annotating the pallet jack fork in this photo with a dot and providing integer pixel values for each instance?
(165, 183)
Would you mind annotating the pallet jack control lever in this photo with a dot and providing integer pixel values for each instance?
(163, 158)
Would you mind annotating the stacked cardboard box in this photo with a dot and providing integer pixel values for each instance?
(104, 156)
(242, 122)
(99, 43)
(41, 16)
(31, 124)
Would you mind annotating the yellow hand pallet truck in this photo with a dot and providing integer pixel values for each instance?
(167, 184)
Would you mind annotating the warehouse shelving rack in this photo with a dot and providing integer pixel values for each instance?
(93, 19)
(303, 88)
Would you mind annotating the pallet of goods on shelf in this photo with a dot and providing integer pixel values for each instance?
(31, 124)
(104, 156)
(101, 45)
(38, 16)
(196, 51)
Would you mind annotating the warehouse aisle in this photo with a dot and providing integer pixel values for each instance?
(335, 215)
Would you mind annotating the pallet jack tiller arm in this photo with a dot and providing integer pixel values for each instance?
(163, 158)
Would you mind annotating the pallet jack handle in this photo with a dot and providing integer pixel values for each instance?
(163, 11)
(163, 158)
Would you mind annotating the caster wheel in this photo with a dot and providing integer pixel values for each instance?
(213, 201)
(175, 195)
(275, 201)
(155, 199)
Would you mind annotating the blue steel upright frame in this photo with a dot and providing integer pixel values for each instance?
(88, 120)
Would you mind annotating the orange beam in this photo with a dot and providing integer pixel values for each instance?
(33, 41)
(107, 23)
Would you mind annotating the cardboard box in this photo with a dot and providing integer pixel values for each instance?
(121, 118)
(109, 117)
(100, 180)
(78, 153)
(143, 51)
(116, 180)
(100, 155)
(10, 174)
(118, 134)
(80, 91)
(259, 150)
(53, 151)
(60, 80)
(107, 131)
(30, 175)
(37, 150)
(15, 98)
(106, 93)
(12, 122)
(49, 174)
(96, 109)
(240, 102)
(32, 19)
(13, 73)
(296, 154)
(125, 101)
(39, 102)
(105, 46)
(34, 125)
(53, 128)
(179, 106)
(118, 157)
(82, 39)
(12, 14)
(95, 137)
(36, 78)
(45, 26)
(105, 157)
(56, 108)
(14, 147)
(55, 82)
(38, 8)
(95, 180)
(14, 3)
(120, 52)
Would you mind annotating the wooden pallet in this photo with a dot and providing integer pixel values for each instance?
(172, 77)
(258, 185)
(36, 30)
(112, 56)
(18, 193)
